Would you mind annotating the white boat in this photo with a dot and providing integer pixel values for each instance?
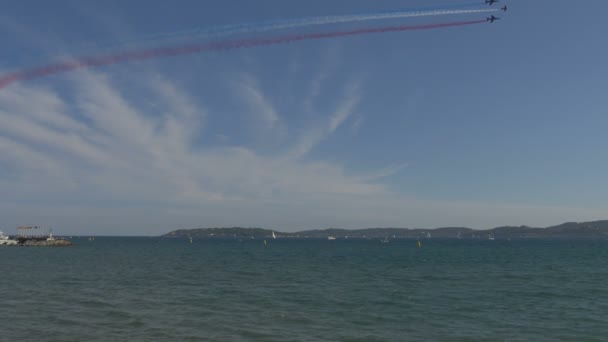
(6, 241)
(491, 237)
(331, 238)
(385, 241)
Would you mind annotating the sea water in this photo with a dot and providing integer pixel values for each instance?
(153, 289)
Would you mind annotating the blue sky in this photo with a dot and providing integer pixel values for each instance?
(475, 126)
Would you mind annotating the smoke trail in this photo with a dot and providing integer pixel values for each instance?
(312, 21)
(87, 62)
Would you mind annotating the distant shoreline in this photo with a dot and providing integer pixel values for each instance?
(593, 229)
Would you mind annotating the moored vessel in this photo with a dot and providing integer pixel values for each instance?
(5, 240)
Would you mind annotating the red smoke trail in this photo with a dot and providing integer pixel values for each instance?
(87, 62)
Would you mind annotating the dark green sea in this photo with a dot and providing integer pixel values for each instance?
(152, 289)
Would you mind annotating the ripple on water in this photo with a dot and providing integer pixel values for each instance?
(158, 290)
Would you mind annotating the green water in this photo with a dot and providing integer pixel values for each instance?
(148, 289)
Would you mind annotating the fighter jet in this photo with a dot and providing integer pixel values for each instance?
(491, 2)
(492, 19)
(504, 8)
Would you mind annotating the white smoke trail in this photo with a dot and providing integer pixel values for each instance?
(266, 26)
(368, 17)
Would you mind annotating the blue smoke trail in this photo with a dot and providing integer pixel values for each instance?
(301, 22)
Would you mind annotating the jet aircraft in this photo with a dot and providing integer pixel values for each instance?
(491, 2)
(492, 19)
(504, 8)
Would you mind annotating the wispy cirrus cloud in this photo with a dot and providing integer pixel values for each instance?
(251, 93)
(344, 109)
(382, 173)
(113, 151)
(114, 165)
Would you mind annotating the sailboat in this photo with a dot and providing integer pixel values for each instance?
(273, 236)
(491, 237)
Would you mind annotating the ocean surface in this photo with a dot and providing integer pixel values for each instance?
(152, 289)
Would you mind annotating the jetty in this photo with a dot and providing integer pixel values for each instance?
(31, 236)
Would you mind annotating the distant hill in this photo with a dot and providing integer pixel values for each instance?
(234, 232)
(595, 229)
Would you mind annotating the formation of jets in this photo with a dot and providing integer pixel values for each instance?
(490, 3)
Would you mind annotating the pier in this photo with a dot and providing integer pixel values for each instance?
(32, 236)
